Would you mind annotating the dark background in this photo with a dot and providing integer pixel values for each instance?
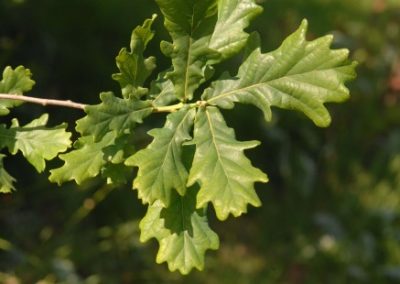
(331, 211)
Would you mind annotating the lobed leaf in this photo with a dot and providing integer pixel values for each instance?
(134, 68)
(190, 24)
(234, 16)
(6, 180)
(203, 32)
(181, 230)
(36, 142)
(113, 114)
(162, 91)
(89, 159)
(300, 75)
(161, 168)
(225, 175)
(15, 82)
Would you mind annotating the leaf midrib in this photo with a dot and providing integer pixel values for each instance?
(268, 82)
(170, 145)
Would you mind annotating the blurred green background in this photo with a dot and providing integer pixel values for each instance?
(331, 211)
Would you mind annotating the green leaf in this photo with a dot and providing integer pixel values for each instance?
(203, 32)
(162, 91)
(116, 173)
(36, 142)
(161, 168)
(14, 82)
(300, 75)
(134, 68)
(113, 114)
(233, 17)
(190, 24)
(86, 161)
(182, 232)
(225, 175)
(6, 180)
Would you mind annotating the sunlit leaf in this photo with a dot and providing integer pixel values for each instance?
(203, 33)
(300, 75)
(84, 162)
(113, 114)
(134, 68)
(36, 141)
(225, 175)
(14, 82)
(234, 16)
(161, 169)
(190, 24)
(6, 180)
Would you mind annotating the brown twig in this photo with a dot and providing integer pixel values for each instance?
(43, 102)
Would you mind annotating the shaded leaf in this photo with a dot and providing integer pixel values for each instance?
(6, 180)
(225, 175)
(134, 68)
(162, 91)
(14, 82)
(113, 114)
(300, 75)
(181, 230)
(161, 169)
(36, 142)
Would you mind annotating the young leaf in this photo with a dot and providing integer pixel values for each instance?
(233, 17)
(6, 180)
(134, 68)
(182, 231)
(161, 168)
(85, 162)
(113, 114)
(36, 142)
(225, 175)
(300, 75)
(15, 82)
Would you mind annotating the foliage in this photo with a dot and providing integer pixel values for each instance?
(179, 175)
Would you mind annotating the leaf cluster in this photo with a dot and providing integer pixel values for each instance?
(194, 160)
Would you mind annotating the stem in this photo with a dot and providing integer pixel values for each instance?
(43, 102)
(170, 108)
(173, 108)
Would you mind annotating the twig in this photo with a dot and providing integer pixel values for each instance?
(43, 102)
